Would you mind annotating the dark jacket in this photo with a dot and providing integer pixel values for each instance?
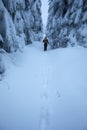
(45, 40)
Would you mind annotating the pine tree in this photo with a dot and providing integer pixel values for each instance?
(67, 23)
(21, 20)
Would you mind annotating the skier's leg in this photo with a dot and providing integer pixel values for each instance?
(44, 47)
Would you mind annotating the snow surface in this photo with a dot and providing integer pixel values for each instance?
(44, 90)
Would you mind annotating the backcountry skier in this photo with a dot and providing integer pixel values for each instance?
(45, 41)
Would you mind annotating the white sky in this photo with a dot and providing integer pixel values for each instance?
(44, 11)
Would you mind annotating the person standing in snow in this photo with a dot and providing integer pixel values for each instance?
(45, 41)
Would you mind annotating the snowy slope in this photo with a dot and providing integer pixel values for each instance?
(45, 90)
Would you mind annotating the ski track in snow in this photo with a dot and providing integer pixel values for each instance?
(45, 112)
(36, 95)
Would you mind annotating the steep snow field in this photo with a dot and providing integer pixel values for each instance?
(44, 90)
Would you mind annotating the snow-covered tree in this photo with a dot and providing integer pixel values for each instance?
(37, 20)
(1, 42)
(20, 22)
(67, 23)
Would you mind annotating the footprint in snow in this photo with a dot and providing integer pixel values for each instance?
(44, 119)
(58, 94)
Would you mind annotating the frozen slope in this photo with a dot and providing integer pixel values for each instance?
(45, 90)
